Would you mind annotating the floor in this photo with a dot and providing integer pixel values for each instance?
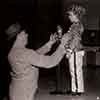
(92, 87)
(91, 80)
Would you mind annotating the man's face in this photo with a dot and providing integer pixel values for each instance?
(73, 17)
(23, 37)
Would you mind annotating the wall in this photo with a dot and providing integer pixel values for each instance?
(92, 23)
(93, 13)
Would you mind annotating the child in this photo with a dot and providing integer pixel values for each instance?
(74, 49)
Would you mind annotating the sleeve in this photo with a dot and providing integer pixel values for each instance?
(46, 61)
(45, 48)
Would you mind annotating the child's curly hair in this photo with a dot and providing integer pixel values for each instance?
(78, 10)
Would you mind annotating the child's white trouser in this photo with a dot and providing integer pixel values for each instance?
(76, 71)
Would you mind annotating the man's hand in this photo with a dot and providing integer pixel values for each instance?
(54, 38)
(68, 53)
(65, 44)
(57, 35)
(59, 31)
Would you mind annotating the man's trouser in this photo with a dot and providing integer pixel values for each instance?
(76, 71)
(24, 87)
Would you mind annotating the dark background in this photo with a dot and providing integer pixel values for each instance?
(40, 17)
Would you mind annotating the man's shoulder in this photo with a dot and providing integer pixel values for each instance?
(26, 51)
(21, 54)
(17, 52)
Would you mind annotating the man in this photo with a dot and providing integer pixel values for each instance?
(24, 64)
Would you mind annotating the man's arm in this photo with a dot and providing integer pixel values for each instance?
(47, 47)
(47, 61)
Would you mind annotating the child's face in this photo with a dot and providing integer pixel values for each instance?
(73, 17)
